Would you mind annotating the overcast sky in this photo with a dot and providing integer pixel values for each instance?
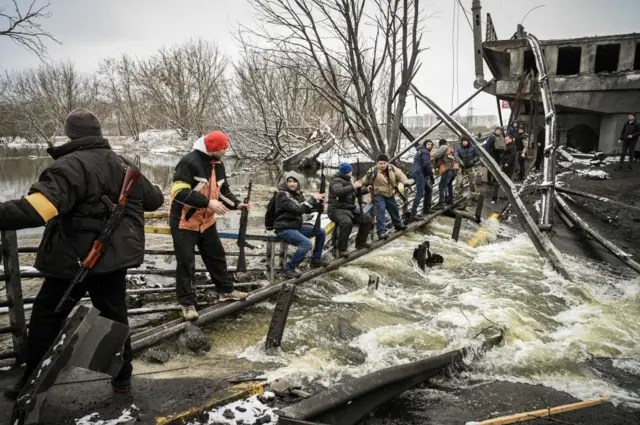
(91, 30)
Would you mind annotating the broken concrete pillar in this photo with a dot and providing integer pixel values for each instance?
(610, 126)
(551, 56)
(627, 55)
(517, 61)
(588, 59)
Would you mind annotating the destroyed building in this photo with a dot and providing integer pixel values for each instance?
(595, 83)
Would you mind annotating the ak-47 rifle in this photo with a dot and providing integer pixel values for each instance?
(242, 233)
(359, 190)
(116, 214)
(323, 188)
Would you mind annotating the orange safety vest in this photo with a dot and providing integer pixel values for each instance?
(203, 218)
(449, 157)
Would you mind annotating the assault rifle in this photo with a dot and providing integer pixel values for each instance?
(116, 214)
(359, 190)
(323, 188)
(242, 233)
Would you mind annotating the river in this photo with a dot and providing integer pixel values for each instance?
(337, 328)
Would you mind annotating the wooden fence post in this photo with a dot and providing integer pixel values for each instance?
(271, 261)
(11, 263)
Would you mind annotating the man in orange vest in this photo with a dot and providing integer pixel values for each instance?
(199, 192)
(448, 166)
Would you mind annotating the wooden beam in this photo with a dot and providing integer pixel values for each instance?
(543, 413)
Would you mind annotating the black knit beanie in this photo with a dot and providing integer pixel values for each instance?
(383, 157)
(82, 123)
(442, 142)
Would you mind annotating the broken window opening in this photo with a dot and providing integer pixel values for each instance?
(569, 60)
(530, 64)
(607, 57)
(636, 64)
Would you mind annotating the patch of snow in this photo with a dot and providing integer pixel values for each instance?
(61, 343)
(5, 368)
(94, 418)
(594, 174)
(250, 411)
(268, 395)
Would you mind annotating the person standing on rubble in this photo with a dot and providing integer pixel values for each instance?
(384, 180)
(67, 199)
(628, 140)
(495, 146)
(199, 192)
(344, 212)
(522, 143)
(469, 157)
(290, 207)
(423, 177)
(448, 166)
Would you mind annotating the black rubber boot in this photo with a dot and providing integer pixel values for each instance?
(318, 264)
(121, 386)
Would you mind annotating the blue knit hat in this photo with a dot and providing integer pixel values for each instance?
(345, 168)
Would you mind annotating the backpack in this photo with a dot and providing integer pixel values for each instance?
(499, 143)
(270, 215)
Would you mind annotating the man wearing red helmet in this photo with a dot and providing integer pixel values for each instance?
(200, 191)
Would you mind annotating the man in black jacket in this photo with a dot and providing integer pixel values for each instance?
(289, 209)
(67, 198)
(200, 190)
(508, 157)
(423, 176)
(628, 139)
(344, 212)
(469, 157)
(522, 142)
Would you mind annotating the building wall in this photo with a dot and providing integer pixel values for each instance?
(610, 127)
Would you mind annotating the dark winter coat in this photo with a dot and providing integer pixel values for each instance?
(290, 207)
(342, 194)
(468, 155)
(508, 159)
(422, 163)
(67, 197)
(521, 141)
(630, 129)
(192, 169)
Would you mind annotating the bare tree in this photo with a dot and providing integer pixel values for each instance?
(272, 109)
(364, 77)
(43, 97)
(183, 86)
(124, 94)
(23, 26)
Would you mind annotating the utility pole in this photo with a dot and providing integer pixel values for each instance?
(476, 9)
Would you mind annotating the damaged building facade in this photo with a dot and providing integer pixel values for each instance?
(595, 82)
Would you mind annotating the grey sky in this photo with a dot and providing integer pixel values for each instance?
(91, 30)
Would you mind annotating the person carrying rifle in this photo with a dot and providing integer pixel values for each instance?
(384, 180)
(290, 206)
(343, 210)
(68, 199)
(423, 176)
(448, 165)
(199, 192)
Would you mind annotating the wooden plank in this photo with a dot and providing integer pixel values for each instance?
(13, 288)
(543, 413)
(223, 235)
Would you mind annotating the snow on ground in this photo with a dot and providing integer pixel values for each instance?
(594, 174)
(94, 419)
(250, 411)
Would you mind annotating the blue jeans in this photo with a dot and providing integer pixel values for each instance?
(445, 186)
(301, 239)
(423, 188)
(383, 204)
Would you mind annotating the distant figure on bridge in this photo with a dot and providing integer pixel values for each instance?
(200, 190)
(628, 139)
(383, 181)
(469, 157)
(344, 212)
(67, 200)
(290, 206)
(508, 158)
(495, 146)
(423, 176)
(444, 158)
(522, 143)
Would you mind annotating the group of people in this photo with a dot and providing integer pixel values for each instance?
(509, 150)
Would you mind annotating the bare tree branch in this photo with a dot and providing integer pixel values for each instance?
(23, 26)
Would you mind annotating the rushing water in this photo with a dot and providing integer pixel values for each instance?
(338, 328)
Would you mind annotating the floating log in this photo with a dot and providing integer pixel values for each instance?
(597, 198)
(543, 413)
(280, 315)
(152, 336)
(455, 235)
(350, 402)
(543, 245)
(620, 254)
